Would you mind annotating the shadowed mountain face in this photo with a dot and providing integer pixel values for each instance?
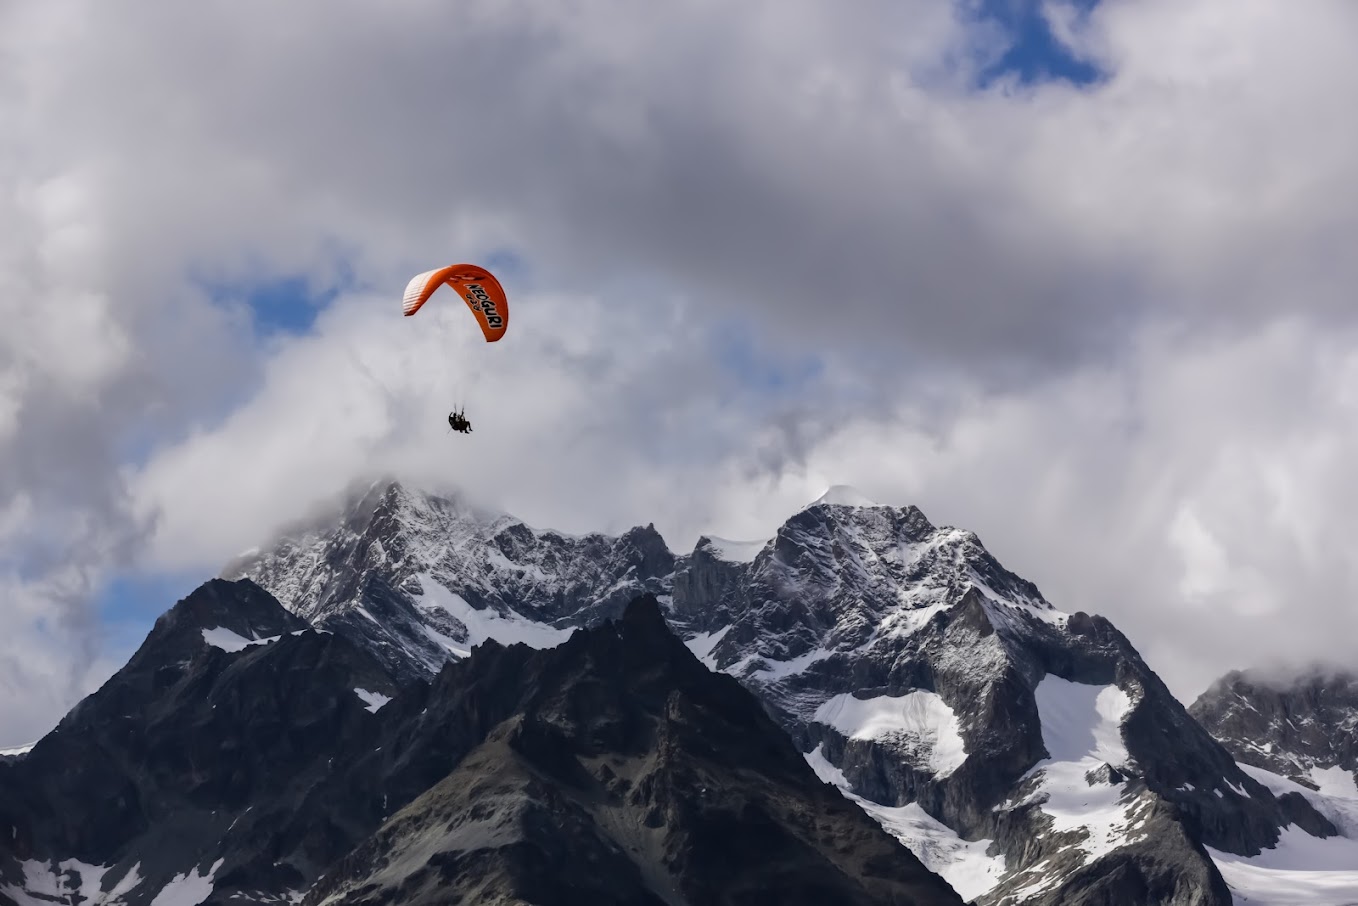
(616, 769)
(240, 757)
(208, 740)
(1304, 728)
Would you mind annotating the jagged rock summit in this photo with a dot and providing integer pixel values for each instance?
(423, 578)
(1304, 727)
(1297, 735)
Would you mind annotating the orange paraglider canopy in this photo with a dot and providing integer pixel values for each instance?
(477, 287)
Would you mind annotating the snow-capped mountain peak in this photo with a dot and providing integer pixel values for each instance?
(843, 495)
(424, 577)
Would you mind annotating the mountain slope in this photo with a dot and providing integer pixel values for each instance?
(420, 579)
(239, 757)
(193, 762)
(1299, 737)
(626, 773)
(926, 674)
(1304, 728)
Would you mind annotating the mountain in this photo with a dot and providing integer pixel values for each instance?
(1304, 728)
(192, 765)
(409, 699)
(1297, 735)
(625, 772)
(243, 757)
(380, 570)
(1026, 754)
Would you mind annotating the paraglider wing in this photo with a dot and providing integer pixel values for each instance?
(477, 287)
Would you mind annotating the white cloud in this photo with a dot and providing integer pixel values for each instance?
(1095, 324)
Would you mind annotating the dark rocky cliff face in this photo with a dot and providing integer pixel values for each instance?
(367, 572)
(670, 783)
(206, 742)
(1292, 727)
(242, 756)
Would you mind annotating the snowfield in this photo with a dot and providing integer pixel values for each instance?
(373, 700)
(1082, 731)
(919, 719)
(486, 624)
(73, 881)
(227, 640)
(962, 863)
(1301, 869)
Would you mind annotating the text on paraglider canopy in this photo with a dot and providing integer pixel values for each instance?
(479, 301)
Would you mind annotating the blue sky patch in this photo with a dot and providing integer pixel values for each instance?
(759, 371)
(1034, 55)
(282, 305)
(130, 604)
(286, 306)
(506, 264)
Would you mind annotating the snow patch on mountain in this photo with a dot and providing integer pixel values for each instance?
(507, 629)
(920, 722)
(225, 639)
(529, 570)
(826, 771)
(1081, 721)
(16, 751)
(703, 643)
(1099, 808)
(188, 889)
(373, 700)
(843, 495)
(1254, 886)
(69, 881)
(964, 864)
(906, 621)
(1335, 781)
(1082, 731)
(1340, 809)
(770, 669)
(1300, 869)
(1299, 851)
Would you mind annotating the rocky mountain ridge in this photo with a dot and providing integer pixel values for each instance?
(1304, 728)
(242, 757)
(938, 689)
(1025, 754)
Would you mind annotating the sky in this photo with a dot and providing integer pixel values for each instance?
(1076, 276)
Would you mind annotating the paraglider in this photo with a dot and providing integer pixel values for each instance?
(477, 287)
(483, 295)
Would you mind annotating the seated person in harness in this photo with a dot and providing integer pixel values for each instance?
(458, 422)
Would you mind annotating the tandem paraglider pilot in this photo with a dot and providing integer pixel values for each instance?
(485, 297)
